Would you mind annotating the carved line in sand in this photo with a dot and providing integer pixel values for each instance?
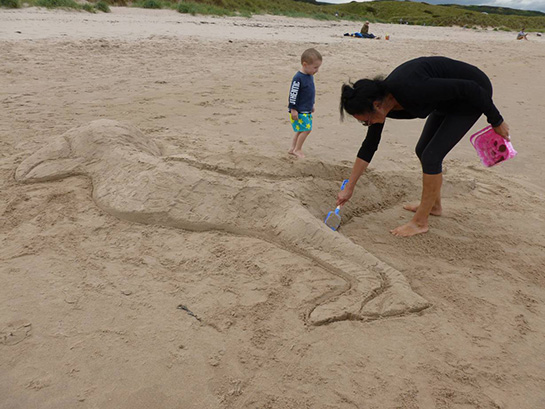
(132, 181)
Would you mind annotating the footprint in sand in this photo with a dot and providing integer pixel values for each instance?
(15, 332)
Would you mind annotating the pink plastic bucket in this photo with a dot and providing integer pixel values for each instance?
(491, 147)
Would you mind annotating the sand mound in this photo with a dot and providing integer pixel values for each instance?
(131, 181)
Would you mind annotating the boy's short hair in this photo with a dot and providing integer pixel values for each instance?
(310, 55)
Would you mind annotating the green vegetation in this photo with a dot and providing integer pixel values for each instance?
(52, 4)
(149, 4)
(193, 8)
(378, 11)
(500, 10)
(90, 7)
(102, 6)
(393, 12)
(10, 4)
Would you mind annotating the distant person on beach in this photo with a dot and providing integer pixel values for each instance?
(522, 35)
(451, 94)
(365, 31)
(301, 100)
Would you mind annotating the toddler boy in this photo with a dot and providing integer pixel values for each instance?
(301, 99)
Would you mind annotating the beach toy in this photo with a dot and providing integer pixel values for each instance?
(491, 147)
(333, 218)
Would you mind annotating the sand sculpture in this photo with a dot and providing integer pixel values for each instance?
(133, 181)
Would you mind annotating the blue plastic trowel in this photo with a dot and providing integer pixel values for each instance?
(333, 218)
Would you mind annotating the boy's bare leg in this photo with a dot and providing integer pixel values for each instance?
(299, 145)
(293, 143)
(431, 189)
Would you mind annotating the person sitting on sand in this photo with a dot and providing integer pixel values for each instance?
(301, 100)
(363, 33)
(451, 94)
(522, 35)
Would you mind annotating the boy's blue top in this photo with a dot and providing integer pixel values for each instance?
(302, 93)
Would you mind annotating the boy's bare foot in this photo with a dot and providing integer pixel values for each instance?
(435, 211)
(291, 152)
(409, 229)
(299, 154)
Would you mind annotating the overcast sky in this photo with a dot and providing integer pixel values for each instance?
(538, 5)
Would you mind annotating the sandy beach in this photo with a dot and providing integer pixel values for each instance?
(173, 255)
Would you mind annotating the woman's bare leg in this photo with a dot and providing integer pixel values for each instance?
(436, 210)
(431, 191)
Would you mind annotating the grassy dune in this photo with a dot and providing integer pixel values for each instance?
(386, 12)
(377, 11)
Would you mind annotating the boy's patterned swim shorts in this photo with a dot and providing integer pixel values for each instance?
(303, 123)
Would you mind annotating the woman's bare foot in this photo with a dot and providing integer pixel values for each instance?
(299, 154)
(435, 210)
(409, 229)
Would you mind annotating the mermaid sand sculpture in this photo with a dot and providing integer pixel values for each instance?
(132, 181)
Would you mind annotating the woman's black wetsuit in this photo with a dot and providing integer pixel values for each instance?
(452, 94)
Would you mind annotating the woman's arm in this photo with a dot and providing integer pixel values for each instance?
(365, 154)
(357, 170)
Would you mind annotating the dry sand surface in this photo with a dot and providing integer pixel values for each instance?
(180, 260)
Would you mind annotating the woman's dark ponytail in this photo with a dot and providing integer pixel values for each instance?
(347, 94)
(358, 98)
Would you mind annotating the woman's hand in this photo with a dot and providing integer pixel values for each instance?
(344, 195)
(357, 170)
(503, 130)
